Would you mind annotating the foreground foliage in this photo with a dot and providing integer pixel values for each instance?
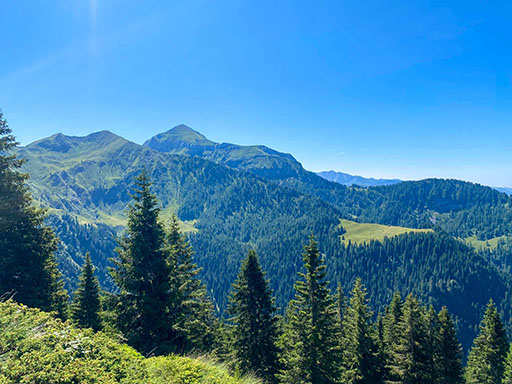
(35, 347)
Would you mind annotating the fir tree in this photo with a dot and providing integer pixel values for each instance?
(196, 325)
(310, 341)
(142, 273)
(449, 359)
(28, 270)
(360, 354)
(85, 308)
(254, 323)
(486, 360)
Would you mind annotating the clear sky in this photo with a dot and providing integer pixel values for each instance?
(405, 89)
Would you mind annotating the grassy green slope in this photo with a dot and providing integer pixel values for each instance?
(37, 348)
(360, 233)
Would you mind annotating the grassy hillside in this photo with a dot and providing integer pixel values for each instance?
(360, 233)
(37, 348)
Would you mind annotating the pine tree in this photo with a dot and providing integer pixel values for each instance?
(143, 274)
(254, 323)
(360, 354)
(486, 360)
(85, 308)
(28, 270)
(411, 361)
(310, 341)
(449, 359)
(196, 327)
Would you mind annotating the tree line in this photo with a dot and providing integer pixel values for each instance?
(160, 305)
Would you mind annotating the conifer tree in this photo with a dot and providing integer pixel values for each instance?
(433, 343)
(85, 308)
(341, 306)
(411, 361)
(142, 273)
(507, 374)
(486, 360)
(360, 355)
(449, 358)
(28, 270)
(310, 342)
(254, 328)
(196, 325)
(390, 331)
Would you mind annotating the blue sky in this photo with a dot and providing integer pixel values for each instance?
(405, 89)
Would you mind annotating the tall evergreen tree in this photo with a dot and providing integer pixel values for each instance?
(390, 332)
(196, 327)
(486, 360)
(507, 374)
(28, 270)
(411, 361)
(360, 354)
(142, 273)
(341, 306)
(449, 359)
(254, 323)
(85, 308)
(433, 344)
(310, 343)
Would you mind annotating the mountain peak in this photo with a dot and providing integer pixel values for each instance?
(181, 138)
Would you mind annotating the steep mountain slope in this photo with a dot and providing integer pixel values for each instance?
(349, 180)
(417, 204)
(258, 159)
(231, 210)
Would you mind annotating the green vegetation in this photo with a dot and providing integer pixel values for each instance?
(254, 324)
(310, 342)
(35, 347)
(28, 270)
(360, 233)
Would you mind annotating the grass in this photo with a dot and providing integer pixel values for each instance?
(484, 244)
(360, 233)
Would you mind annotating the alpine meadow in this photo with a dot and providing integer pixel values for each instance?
(132, 251)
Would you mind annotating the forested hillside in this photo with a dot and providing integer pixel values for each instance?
(232, 198)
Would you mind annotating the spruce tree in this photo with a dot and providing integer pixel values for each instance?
(507, 374)
(28, 270)
(390, 331)
(360, 354)
(486, 360)
(85, 308)
(254, 330)
(310, 342)
(411, 359)
(449, 358)
(433, 343)
(341, 306)
(196, 324)
(145, 312)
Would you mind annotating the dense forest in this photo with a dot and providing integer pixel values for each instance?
(416, 308)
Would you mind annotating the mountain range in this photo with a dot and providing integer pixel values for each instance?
(230, 198)
(349, 180)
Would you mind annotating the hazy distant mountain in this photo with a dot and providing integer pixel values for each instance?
(346, 179)
(508, 191)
